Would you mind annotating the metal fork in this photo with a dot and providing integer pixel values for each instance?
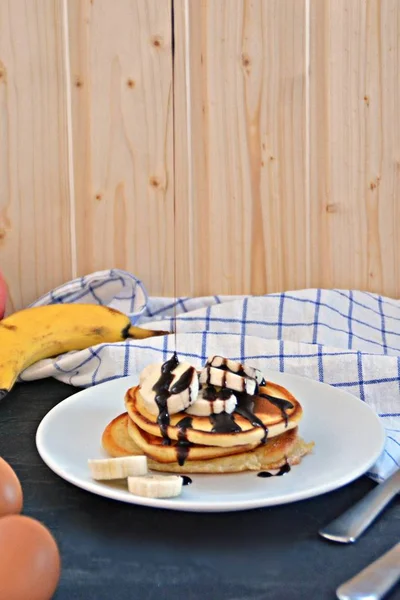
(373, 582)
(352, 523)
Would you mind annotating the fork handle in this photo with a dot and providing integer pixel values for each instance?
(351, 524)
(375, 580)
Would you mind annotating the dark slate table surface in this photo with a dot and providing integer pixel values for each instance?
(115, 551)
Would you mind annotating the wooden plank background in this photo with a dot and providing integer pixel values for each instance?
(35, 245)
(285, 120)
(121, 74)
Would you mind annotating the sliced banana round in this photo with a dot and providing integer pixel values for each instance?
(156, 486)
(117, 468)
(226, 379)
(212, 401)
(179, 391)
(236, 367)
(145, 373)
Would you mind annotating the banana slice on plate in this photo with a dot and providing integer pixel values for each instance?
(156, 486)
(212, 401)
(117, 468)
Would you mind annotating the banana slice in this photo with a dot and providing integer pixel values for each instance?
(236, 367)
(226, 379)
(179, 393)
(117, 468)
(212, 401)
(145, 373)
(156, 486)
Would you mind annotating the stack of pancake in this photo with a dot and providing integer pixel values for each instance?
(252, 424)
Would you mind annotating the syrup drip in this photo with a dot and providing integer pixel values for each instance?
(161, 388)
(224, 423)
(174, 324)
(282, 471)
(245, 408)
(280, 403)
(183, 445)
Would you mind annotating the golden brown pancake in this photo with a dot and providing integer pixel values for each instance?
(116, 439)
(152, 446)
(201, 432)
(288, 447)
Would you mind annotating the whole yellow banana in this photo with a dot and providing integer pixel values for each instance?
(40, 332)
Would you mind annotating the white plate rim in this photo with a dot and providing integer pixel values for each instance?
(110, 492)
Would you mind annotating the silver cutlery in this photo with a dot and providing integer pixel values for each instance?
(373, 582)
(351, 524)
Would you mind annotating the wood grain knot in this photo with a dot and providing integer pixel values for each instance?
(130, 83)
(332, 208)
(3, 72)
(78, 82)
(3, 234)
(156, 41)
(98, 196)
(272, 157)
(246, 62)
(375, 183)
(366, 100)
(155, 181)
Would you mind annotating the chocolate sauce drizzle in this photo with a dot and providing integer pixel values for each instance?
(183, 445)
(282, 471)
(183, 382)
(161, 388)
(224, 367)
(280, 403)
(211, 393)
(224, 423)
(241, 372)
(245, 408)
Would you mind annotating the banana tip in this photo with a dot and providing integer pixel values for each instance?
(138, 333)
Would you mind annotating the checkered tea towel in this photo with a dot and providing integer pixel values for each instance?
(349, 339)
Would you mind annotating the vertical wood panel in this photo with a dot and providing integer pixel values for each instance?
(121, 71)
(34, 196)
(248, 144)
(355, 144)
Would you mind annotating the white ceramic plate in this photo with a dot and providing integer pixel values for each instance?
(348, 440)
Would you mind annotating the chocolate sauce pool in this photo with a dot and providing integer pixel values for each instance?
(282, 471)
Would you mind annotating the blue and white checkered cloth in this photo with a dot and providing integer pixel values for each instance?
(349, 339)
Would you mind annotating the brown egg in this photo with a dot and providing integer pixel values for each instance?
(29, 560)
(10, 491)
